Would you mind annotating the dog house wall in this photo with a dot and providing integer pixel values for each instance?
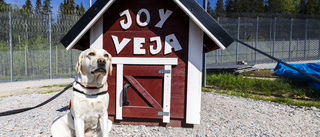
(176, 24)
(102, 28)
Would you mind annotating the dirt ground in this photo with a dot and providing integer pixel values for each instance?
(34, 86)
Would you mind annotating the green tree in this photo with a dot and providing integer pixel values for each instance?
(3, 5)
(282, 6)
(37, 9)
(80, 10)
(67, 7)
(259, 6)
(247, 6)
(312, 7)
(229, 6)
(27, 7)
(46, 8)
(209, 9)
(219, 7)
(237, 6)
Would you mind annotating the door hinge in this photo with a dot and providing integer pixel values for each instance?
(164, 71)
(163, 113)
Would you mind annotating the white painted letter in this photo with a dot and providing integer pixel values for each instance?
(121, 45)
(127, 25)
(158, 45)
(137, 45)
(163, 17)
(171, 42)
(143, 24)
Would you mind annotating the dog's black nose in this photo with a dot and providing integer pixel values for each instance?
(101, 61)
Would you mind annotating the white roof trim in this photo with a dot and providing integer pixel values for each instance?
(92, 22)
(204, 29)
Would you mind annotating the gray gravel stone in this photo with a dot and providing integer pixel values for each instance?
(221, 115)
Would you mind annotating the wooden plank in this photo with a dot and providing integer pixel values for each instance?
(144, 71)
(141, 112)
(144, 61)
(194, 74)
(119, 87)
(167, 93)
(143, 92)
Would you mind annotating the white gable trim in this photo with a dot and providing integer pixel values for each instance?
(92, 22)
(102, 11)
(203, 28)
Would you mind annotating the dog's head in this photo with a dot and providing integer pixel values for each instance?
(94, 65)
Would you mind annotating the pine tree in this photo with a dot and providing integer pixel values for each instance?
(3, 5)
(237, 6)
(209, 9)
(67, 7)
(46, 8)
(259, 6)
(38, 7)
(229, 6)
(283, 6)
(311, 7)
(80, 10)
(27, 7)
(219, 7)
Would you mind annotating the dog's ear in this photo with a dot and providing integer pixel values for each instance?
(79, 63)
(110, 65)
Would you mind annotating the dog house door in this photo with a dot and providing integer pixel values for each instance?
(146, 83)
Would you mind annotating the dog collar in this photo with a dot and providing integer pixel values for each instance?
(100, 93)
(88, 87)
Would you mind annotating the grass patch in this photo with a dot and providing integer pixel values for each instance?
(51, 86)
(50, 91)
(278, 87)
(279, 90)
(280, 100)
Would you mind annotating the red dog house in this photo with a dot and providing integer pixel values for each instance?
(157, 48)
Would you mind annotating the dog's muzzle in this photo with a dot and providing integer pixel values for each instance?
(101, 66)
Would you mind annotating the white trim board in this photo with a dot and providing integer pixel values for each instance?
(144, 61)
(194, 74)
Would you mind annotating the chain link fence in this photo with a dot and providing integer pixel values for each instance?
(30, 46)
(289, 39)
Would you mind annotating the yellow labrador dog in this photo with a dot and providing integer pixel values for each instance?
(88, 114)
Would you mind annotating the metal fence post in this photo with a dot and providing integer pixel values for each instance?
(10, 42)
(256, 42)
(57, 60)
(204, 59)
(25, 53)
(290, 39)
(50, 43)
(319, 43)
(217, 51)
(238, 37)
(305, 40)
(274, 34)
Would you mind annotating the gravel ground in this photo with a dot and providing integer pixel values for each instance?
(221, 115)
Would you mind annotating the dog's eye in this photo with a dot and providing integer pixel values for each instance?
(91, 54)
(106, 55)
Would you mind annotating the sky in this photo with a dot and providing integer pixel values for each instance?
(86, 3)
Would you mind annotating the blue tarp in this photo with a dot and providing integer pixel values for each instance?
(310, 68)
